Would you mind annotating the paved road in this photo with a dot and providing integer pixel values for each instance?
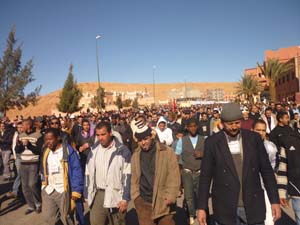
(12, 212)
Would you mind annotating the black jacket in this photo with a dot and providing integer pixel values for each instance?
(217, 165)
(6, 140)
(291, 144)
(277, 131)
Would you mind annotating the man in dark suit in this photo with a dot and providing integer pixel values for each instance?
(234, 159)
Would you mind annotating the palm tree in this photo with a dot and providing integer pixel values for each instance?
(273, 69)
(247, 86)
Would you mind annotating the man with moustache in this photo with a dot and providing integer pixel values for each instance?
(234, 159)
(155, 179)
(108, 178)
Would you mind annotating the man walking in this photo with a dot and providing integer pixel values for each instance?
(234, 159)
(17, 183)
(62, 181)
(29, 146)
(190, 149)
(260, 127)
(288, 171)
(6, 137)
(108, 178)
(155, 180)
(281, 128)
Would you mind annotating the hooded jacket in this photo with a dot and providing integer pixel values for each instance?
(165, 136)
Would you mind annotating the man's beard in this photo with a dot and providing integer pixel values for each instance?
(193, 135)
(232, 135)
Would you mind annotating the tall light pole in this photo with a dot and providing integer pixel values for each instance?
(185, 96)
(298, 65)
(153, 74)
(97, 58)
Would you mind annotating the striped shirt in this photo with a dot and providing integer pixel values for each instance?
(27, 155)
(102, 159)
(282, 180)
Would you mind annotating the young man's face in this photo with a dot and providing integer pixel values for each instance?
(192, 129)
(273, 105)
(162, 126)
(216, 115)
(285, 120)
(54, 123)
(86, 126)
(145, 143)
(19, 128)
(279, 108)
(2, 127)
(204, 117)
(254, 109)
(261, 129)
(51, 141)
(26, 126)
(246, 115)
(268, 113)
(104, 137)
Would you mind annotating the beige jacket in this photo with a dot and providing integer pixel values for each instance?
(166, 181)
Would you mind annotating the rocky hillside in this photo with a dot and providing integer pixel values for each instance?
(47, 103)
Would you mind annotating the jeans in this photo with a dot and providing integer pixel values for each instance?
(241, 218)
(17, 182)
(190, 181)
(29, 179)
(296, 208)
(6, 157)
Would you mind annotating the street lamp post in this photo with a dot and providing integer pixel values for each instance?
(298, 65)
(153, 73)
(98, 75)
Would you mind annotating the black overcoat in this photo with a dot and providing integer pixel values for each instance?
(218, 167)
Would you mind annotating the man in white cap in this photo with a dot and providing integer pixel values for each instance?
(234, 159)
(155, 179)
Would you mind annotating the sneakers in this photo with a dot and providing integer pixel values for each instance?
(11, 195)
(192, 220)
(28, 211)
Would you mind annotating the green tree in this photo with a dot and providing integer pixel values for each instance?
(14, 77)
(247, 86)
(70, 95)
(119, 102)
(98, 100)
(135, 103)
(126, 102)
(273, 69)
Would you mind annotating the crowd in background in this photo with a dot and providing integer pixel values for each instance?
(25, 141)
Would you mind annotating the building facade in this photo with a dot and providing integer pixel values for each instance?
(287, 86)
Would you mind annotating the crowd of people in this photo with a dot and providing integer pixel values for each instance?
(244, 157)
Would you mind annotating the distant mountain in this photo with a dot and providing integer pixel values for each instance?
(47, 103)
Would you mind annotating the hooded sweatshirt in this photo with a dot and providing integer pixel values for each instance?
(166, 135)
